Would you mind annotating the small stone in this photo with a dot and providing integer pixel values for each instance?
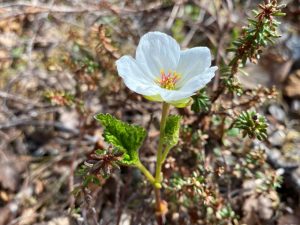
(125, 219)
(277, 112)
(292, 89)
(175, 216)
(295, 106)
(59, 221)
(296, 178)
(277, 138)
(265, 207)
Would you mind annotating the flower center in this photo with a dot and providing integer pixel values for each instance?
(169, 80)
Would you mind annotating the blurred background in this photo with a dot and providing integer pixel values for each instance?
(57, 70)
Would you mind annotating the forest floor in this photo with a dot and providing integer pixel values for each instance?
(57, 70)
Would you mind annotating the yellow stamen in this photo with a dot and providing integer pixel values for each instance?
(168, 81)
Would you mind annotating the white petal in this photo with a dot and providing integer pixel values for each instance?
(140, 88)
(157, 51)
(192, 62)
(128, 66)
(199, 81)
(174, 95)
(134, 77)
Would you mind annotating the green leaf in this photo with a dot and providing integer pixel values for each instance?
(201, 102)
(253, 22)
(233, 132)
(278, 14)
(252, 124)
(255, 12)
(127, 138)
(231, 50)
(172, 130)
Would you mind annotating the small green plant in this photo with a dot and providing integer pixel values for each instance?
(201, 102)
(260, 32)
(101, 162)
(252, 125)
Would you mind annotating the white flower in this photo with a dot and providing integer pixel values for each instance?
(161, 72)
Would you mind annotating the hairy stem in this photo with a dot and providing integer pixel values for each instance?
(159, 161)
(148, 175)
(165, 112)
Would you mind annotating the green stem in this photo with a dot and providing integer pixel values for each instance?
(148, 175)
(165, 154)
(165, 111)
(159, 161)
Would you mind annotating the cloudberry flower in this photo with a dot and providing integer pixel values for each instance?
(162, 72)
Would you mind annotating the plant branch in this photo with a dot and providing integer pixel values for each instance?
(165, 111)
(159, 161)
(148, 175)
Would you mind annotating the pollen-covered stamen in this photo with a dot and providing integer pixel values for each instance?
(169, 80)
